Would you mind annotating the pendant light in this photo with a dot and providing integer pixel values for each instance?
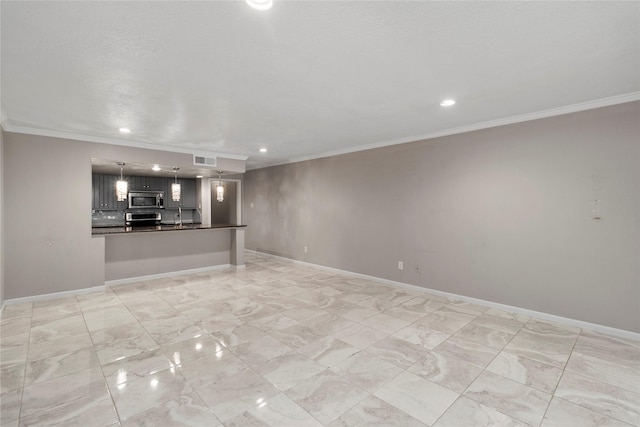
(175, 187)
(220, 188)
(121, 185)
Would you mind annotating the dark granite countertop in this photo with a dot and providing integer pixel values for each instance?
(108, 231)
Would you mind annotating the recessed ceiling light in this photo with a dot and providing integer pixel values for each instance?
(124, 130)
(155, 168)
(199, 176)
(263, 150)
(260, 4)
(448, 102)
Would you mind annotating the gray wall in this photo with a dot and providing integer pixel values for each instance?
(502, 214)
(47, 211)
(1, 220)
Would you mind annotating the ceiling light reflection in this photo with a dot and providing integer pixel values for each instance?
(260, 4)
(121, 379)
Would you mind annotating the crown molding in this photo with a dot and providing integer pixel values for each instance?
(8, 127)
(573, 108)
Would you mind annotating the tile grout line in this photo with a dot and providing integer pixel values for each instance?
(252, 283)
(26, 361)
(104, 378)
(159, 346)
(553, 393)
(173, 366)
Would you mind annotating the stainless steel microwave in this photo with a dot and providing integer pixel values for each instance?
(146, 199)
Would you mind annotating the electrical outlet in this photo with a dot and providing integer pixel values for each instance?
(400, 265)
(306, 250)
(250, 205)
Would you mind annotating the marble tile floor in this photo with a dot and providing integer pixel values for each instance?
(277, 344)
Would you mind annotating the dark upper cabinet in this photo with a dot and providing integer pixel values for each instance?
(104, 193)
(187, 194)
(147, 183)
(95, 181)
(136, 183)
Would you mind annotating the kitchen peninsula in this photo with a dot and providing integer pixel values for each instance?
(109, 231)
(150, 232)
(135, 253)
(57, 254)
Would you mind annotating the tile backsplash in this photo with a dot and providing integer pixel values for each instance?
(107, 218)
(116, 218)
(189, 216)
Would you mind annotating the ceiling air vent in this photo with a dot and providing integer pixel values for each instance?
(204, 161)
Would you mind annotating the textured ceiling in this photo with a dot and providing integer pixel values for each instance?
(304, 78)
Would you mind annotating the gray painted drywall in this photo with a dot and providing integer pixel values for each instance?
(135, 255)
(237, 247)
(1, 196)
(502, 214)
(203, 194)
(47, 210)
(1, 220)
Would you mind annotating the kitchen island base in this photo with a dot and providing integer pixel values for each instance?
(147, 254)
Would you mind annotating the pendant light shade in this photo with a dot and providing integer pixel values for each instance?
(175, 192)
(220, 188)
(122, 186)
(121, 190)
(175, 187)
(220, 193)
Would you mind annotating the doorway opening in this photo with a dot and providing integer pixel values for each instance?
(229, 210)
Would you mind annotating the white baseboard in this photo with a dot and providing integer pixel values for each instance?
(129, 280)
(54, 295)
(508, 308)
(621, 333)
